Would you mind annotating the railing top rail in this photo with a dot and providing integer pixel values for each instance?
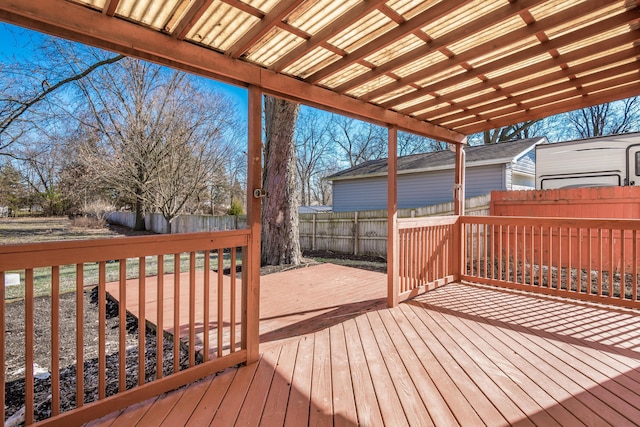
(604, 223)
(428, 221)
(34, 255)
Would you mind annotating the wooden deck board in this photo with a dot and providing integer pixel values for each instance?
(332, 354)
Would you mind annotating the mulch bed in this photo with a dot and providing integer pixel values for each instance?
(15, 349)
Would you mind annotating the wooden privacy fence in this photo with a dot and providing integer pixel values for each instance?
(588, 259)
(365, 232)
(182, 224)
(176, 283)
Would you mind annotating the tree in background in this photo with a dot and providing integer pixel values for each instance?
(357, 141)
(606, 119)
(280, 233)
(313, 152)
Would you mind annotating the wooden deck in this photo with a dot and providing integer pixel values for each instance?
(332, 354)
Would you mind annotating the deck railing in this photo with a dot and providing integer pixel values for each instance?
(588, 259)
(428, 249)
(201, 331)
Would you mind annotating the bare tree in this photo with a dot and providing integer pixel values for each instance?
(410, 143)
(161, 135)
(522, 130)
(358, 141)
(312, 149)
(606, 119)
(280, 234)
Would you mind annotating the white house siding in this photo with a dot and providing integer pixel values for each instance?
(526, 164)
(414, 190)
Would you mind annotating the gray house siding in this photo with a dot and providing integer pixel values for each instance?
(414, 190)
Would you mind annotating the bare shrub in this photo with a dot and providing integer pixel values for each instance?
(88, 222)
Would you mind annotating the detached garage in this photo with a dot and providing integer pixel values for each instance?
(427, 179)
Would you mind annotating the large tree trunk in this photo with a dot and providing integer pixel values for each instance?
(139, 224)
(280, 234)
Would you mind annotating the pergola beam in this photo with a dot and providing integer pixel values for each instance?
(78, 23)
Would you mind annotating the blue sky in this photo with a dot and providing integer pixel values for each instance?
(17, 42)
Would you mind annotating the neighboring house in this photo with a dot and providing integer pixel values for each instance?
(314, 209)
(428, 178)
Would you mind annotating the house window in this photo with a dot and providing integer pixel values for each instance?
(637, 163)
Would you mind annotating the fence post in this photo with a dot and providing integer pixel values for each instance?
(356, 234)
(313, 232)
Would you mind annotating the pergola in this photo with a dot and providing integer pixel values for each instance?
(444, 69)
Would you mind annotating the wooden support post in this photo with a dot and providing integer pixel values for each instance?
(459, 249)
(393, 254)
(251, 260)
(458, 189)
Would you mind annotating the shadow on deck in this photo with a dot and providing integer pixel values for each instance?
(331, 353)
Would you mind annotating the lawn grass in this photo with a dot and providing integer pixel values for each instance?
(35, 230)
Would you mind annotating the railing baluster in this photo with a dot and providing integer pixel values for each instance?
(206, 301)
(600, 261)
(634, 266)
(142, 318)
(122, 320)
(590, 261)
(192, 309)
(507, 267)
(623, 269)
(176, 312)
(579, 264)
(559, 256)
(79, 335)
(569, 253)
(611, 265)
(159, 319)
(102, 327)
(515, 253)
(28, 343)
(55, 340)
(220, 300)
(232, 309)
(550, 259)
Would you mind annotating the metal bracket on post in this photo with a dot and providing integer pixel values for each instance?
(259, 193)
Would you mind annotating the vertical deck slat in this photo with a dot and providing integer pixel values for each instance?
(569, 256)
(142, 318)
(559, 258)
(206, 301)
(192, 309)
(611, 265)
(600, 261)
(102, 327)
(122, 321)
(160, 319)
(541, 258)
(623, 270)
(176, 313)
(589, 260)
(579, 263)
(500, 254)
(515, 253)
(479, 243)
(79, 335)
(220, 301)
(232, 309)
(55, 340)
(634, 266)
(507, 266)
(550, 259)
(28, 345)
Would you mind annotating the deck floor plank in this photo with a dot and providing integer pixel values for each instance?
(276, 406)
(388, 399)
(456, 401)
(414, 409)
(344, 405)
(436, 406)
(470, 355)
(299, 399)
(363, 390)
(480, 402)
(321, 405)
(518, 369)
(210, 402)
